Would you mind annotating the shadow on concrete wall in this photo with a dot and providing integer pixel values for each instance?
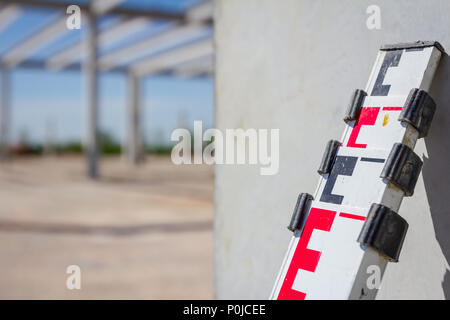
(436, 168)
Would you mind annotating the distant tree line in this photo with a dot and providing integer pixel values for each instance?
(108, 146)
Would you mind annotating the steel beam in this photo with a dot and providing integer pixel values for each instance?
(67, 57)
(174, 58)
(173, 36)
(99, 7)
(75, 67)
(125, 12)
(38, 40)
(202, 12)
(7, 15)
(200, 66)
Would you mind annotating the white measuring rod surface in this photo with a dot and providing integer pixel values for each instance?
(371, 169)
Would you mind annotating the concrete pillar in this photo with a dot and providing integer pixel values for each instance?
(304, 91)
(5, 92)
(92, 143)
(133, 146)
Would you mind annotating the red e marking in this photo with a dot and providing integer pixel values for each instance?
(367, 117)
(304, 258)
(307, 259)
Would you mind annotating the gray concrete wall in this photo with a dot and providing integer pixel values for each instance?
(292, 65)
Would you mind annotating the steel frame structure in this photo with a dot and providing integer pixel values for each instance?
(169, 55)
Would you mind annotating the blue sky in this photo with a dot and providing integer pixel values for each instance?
(47, 100)
(41, 99)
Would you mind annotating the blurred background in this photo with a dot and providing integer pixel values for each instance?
(85, 173)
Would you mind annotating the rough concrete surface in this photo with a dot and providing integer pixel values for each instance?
(293, 65)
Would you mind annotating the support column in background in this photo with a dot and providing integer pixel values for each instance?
(134, 133)
(4, 111)
(90, 70)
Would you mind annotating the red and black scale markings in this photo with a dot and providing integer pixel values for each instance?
(321, 219)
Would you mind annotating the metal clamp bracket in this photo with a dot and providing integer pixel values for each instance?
(299, 215)
(328, 157)
(384, 230)
(354, 108)
(418, 111)
(402, 168)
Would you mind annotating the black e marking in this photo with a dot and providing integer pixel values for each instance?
(342, 166)
(391, 59)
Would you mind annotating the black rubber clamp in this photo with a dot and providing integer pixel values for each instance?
(354, 108)
(402, 168)
(384, 230)
(329, 156)
(299, 215)
(418, 111)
